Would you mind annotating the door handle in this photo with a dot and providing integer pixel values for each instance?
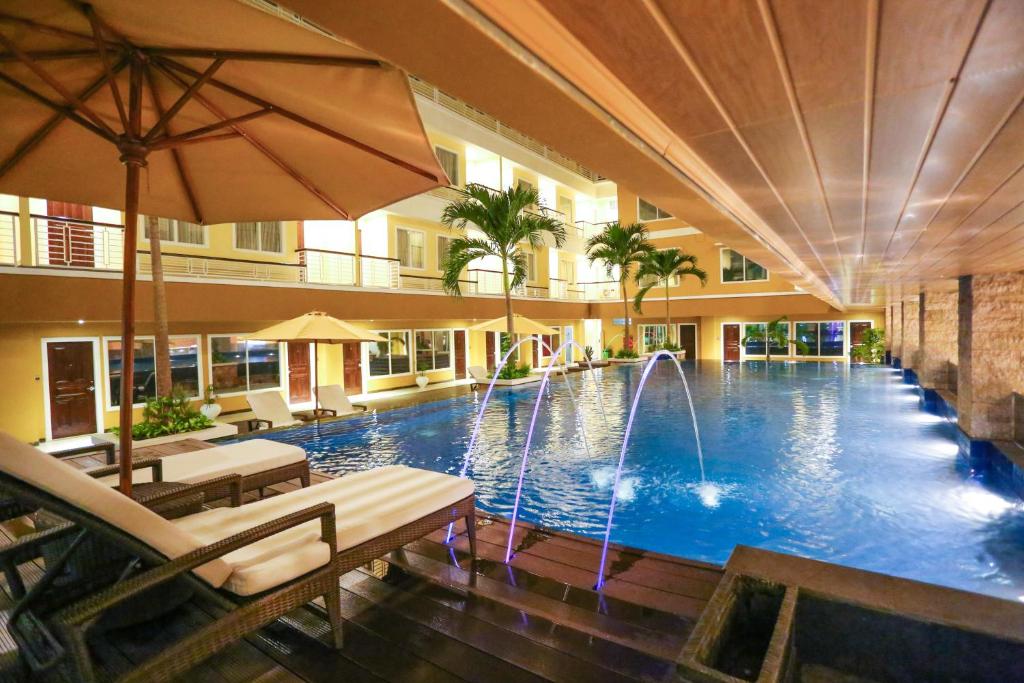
(90, 388)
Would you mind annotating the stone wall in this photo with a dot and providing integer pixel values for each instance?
(909, 333)
(991, 355)
(897, 329)
(938, 332)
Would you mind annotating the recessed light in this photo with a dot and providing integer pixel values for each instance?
(81, 322)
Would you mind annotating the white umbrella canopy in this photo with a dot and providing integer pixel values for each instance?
(318, 327)
(520, 325)
(208, 111)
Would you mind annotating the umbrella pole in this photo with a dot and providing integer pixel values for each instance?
(316, 378)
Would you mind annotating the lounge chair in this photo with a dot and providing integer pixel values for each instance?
(479, 375)
(257, 562)
(270, 409)
(333, 398)
(259, 463)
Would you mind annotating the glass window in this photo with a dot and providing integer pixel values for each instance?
(444, 247)
(179, 232)
(442, 349)
(808, 334)
(390, 357)
(754, 347)
(260, 236)
(649, 212)
(449, 161)
(830, 338)
(185, 365)
(239, 365)
(409, 245)
(144, 385)
(531, 266)
(652, 337)
(737, 268)
(433, 350)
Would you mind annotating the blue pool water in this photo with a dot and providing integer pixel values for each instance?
(822, 460)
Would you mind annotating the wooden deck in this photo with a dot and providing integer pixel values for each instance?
(426, 613)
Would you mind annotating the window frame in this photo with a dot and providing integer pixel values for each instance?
(410, 354)
(642, 329)
(441, 264)
(281, 366)
(458, 164)
(259, 238)
(787, 353)
(105, 352)
(205, 228)
(451, 348)
(721, 276)
(658, 211)
(423, 236)
(818, 323)
(531, 273)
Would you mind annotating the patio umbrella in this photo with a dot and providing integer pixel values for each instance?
(207, 111)
(319, 328)
(521, 325)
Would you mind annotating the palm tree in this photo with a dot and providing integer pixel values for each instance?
(663, 266)
(506, 224)
(622, 246)
(776, 333)
(162, 343)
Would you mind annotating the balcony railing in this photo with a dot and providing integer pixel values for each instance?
(561, 289)
(596, 291)
(216, 267)
(74, 243)
(455, 194)
(9, 224)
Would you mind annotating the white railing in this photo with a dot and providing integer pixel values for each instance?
(330, 268)
(70, 243)
(597, 291)
(490, 282)
(377, 271)
(9, 224)
(208, 267)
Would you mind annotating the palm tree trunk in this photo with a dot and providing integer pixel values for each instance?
(668, 317)
(509, 318)
(162, 346)
(625, 320)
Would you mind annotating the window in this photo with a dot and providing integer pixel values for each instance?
(409, 245)
(565, 205)
(654, 280)
(239, 365)
(652, 337)
(524, 184)
(737, 268)
(144, 385)
(390, 357)
(175, 231)
(444, 247)
(260, 236)
(757, 347)
(531, 266)
(449, 161)
(823, 339)
(184, 356)
(649, 212)
(433, 350)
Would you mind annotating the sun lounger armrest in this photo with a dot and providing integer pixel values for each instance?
(25, 549)
(142, 463)
(94, 605)
(229, 485)
(255, 422)
(361, 406)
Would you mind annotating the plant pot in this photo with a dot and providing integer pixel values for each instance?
(210, 410)
(422, 381)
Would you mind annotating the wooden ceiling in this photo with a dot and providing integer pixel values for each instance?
(852, 145)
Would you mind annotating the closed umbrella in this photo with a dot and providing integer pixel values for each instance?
(319, 328)
(207, 111)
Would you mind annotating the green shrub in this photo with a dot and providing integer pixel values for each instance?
(872, 346)
(168, 415)
(626, 353)
(670, 347)
(513, 370)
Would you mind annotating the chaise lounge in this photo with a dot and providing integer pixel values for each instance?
(479, 375)
(258, 562)
(271, 410)
(333, 398)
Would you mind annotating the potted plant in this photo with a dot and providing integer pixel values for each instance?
(421, 376)
(210, 408)
(166, 416)
(871, 348)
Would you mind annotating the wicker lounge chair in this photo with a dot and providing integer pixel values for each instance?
(333, 398)
(259, 462)
(479, 375)
(271, 410)
(257, 562)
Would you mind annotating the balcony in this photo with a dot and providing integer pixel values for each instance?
(72, 243)
(9, 224)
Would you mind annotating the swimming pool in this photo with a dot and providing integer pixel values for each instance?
(821, 460)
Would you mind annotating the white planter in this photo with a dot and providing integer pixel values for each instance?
(529, 379)
(422, 381)
(210, 410)
(625, 361)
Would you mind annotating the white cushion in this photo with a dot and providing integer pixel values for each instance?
(333, 398)
(244, 458)
(367, 504)
(269, 405)
(49, 474)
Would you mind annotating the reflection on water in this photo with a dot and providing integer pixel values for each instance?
(820, 460)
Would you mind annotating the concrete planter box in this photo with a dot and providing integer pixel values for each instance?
(529, 379)
(218, 430)
(626, 361)
(596, 363)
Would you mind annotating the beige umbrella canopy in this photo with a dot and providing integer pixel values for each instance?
(521, 325)
(203, 110)
(319, 328)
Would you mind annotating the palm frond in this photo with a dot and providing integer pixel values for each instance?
(462, 252)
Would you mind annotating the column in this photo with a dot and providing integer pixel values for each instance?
(939, 332)
(909, 333)
(897, 329)
(991, 356)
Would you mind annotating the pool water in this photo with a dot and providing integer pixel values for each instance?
(825, 461)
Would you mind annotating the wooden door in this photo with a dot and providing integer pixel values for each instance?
(536, 351)
(352, 368)
(72, 388)
(688, 341)
(490, 349)
(69, 244)
(857, 330)
(460, 354)
(731, 343)
(299, 372)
